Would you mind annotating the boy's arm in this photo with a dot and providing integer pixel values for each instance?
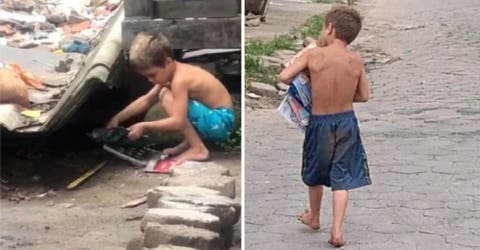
(140, 105)
(363, 92)
(178, 117)
(294, 69)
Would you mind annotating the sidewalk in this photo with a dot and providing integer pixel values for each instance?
(420, 131)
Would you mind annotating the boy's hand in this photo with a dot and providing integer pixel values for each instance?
(136, 130)
(113, 123)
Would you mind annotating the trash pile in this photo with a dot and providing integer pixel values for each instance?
(62, 26)
(43, 45)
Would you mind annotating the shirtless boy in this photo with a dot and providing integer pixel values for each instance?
(197, 103)
(333, 154)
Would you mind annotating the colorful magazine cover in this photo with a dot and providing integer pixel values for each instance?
(296, 105)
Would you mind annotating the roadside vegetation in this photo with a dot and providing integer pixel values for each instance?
(256, 70)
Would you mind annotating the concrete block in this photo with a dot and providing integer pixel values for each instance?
(201, 169)
(223, 184)
(154, 194)
(193, 33)
(135, 8)
(170, 247)
(136, 243)
(225, 212)
(185, 217)
(181, 235)
(188, 8)
(263, 89)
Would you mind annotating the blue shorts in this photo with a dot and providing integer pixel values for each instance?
(333, 153)
(213, 125)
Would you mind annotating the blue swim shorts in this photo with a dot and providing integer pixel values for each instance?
(213, 125)
(333, 153)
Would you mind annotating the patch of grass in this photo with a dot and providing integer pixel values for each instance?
(326, 1)
(313, 27)
(254, 68)
(258, 47)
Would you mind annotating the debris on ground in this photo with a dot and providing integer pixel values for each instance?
(33, 114)
(50, 193)
(252, 22)
(85, 176)
(134, 217)
(58, 33)
(68, 205)
(135, 203)
(253, 96)
(18, 196)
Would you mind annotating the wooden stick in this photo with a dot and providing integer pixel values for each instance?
(85, 176)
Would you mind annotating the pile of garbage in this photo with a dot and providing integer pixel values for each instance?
(67, 26)
(43, 45)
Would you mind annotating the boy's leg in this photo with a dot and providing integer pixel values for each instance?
(312, 218)
(194, 150)
(340, 200)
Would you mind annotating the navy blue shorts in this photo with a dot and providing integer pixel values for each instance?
(333, 153)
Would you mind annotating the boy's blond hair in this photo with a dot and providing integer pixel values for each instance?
(149, 50)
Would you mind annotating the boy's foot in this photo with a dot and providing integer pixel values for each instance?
(336, 243)
(336, 239)
(177, 149)
(309, 220)
(199, 153)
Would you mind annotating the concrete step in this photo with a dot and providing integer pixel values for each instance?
(181, 235)
(224, 184)
(191, 218)
(227, 214)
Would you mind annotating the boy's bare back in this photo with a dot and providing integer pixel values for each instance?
(335, 74)
(202, 86)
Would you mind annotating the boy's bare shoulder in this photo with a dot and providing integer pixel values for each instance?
(357, 57)
(316, 54)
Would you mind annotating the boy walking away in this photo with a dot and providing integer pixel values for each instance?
(333, 154)
(197, 103)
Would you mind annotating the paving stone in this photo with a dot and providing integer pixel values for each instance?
(186, 217)
(465, 240)
(262, 89)
(422, 141)
(181, 235)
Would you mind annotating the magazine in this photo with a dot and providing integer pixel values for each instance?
(296, 105)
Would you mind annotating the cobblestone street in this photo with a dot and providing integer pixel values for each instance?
(420, 129)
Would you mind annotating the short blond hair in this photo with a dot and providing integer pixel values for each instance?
(149, 50)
